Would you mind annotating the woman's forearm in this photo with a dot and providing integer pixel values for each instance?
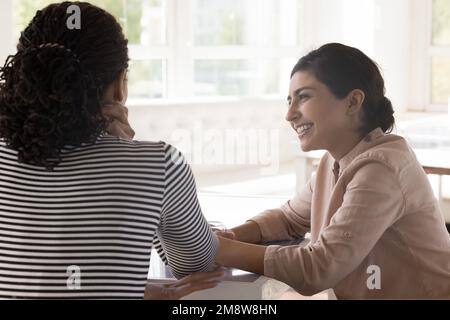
(248, 232)
(240, 255)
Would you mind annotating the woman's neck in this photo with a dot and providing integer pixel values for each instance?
(347, 143)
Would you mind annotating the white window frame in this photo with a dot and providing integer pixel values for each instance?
(434, 51)
(180, 67)
(422, 28)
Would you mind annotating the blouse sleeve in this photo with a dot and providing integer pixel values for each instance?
(188, 243)
(291, 220)
(372, 202)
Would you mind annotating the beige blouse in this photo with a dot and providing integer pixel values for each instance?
(375, 233)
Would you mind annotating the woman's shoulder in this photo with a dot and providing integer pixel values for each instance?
(391, 150)
(111, 142)
(165, 149)
(110, 146)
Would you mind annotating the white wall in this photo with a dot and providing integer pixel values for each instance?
(211, 134)
(393, 48)
(322, 23)
(380, 28)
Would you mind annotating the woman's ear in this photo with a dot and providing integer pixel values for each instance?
(355, 101)
(120, 87)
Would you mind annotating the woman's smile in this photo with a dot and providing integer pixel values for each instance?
(304, 129)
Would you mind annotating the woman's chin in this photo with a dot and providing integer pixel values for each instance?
(305, 146)
(306, 141)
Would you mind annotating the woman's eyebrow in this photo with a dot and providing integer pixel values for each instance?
(296, 92)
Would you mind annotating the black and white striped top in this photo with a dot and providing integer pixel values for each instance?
(86, 229)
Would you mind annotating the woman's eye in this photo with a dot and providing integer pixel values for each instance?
(299, 98)
(302, 97)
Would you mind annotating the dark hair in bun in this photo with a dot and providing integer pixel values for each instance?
(342, 69)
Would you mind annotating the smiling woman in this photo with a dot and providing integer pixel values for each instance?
(331, 111)
(369, 208)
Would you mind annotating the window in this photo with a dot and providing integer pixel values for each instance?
(440, 53)
(143, 22)
(198, 48)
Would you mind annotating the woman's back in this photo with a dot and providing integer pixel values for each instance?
(86, 228)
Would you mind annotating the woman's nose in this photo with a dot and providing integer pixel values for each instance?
(292, 113)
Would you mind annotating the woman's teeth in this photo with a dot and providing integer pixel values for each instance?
(303, 129)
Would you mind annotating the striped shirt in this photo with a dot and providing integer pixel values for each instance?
(86, 229)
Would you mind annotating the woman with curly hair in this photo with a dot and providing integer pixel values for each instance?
(80, 209)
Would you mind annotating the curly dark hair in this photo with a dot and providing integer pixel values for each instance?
(51, 89)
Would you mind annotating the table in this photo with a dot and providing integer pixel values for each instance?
(242, 285)
(236, 285)
(239, 284)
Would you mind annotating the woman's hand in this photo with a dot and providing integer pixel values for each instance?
(248, 232)
(119, 126)
(221, 230)
(227, 233)
(185, 286)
